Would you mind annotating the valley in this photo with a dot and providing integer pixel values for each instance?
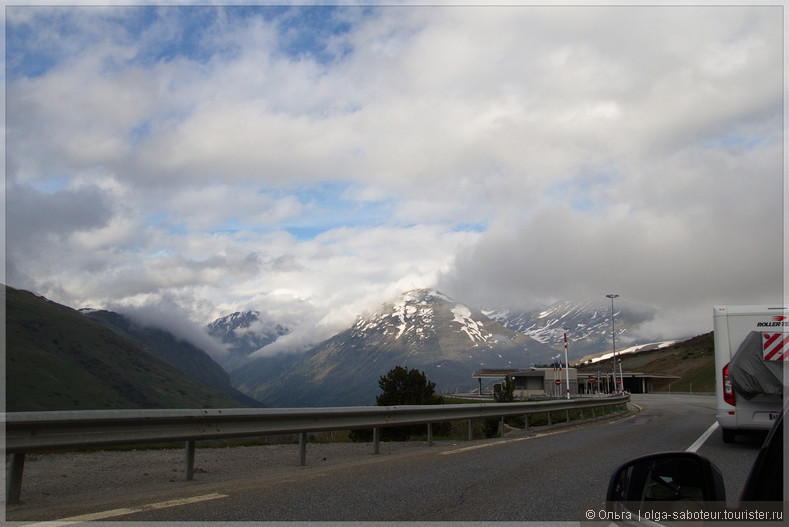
(423, 329)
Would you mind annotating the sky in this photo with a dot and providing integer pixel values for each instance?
(312, 162)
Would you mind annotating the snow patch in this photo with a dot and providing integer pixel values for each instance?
(469, 326)
(632, 349)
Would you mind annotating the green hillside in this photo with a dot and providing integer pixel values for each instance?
(57, 359)
(692, 360)
(183, 355)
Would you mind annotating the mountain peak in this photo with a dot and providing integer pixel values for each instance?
(226, 324)
(424, 295)
(244, 332)
(428, 330)
(431, 318)
(422, 329)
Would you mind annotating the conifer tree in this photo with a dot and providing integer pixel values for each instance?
(402, 386)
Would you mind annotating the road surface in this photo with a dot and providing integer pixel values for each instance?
(551, 474)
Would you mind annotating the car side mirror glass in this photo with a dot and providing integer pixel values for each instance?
(667, 477)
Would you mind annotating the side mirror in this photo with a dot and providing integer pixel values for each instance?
(667, 477)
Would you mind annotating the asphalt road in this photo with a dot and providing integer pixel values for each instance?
(548, 475)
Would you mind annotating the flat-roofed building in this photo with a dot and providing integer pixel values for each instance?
(542, 382)
(534, 382)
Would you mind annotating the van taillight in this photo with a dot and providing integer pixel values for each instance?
(728, 391)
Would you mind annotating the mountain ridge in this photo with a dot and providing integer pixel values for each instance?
(184, 355)
(422, 329)
(587, 324)
(58, 359)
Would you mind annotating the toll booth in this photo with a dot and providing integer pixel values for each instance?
(552, 382)
(535, 382)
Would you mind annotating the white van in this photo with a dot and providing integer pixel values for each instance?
(751, 348)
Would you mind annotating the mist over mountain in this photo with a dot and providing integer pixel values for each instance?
(243, 333)
(180, 353)
(422, 329)
(59, 359)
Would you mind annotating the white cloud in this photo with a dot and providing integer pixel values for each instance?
(164, 313)
(512, 154)
(216, 206)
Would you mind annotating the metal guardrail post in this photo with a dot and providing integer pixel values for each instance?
(303, 449)
(470, 430)
(189, 466)
(15, 478)
(429, 434)
(526, 423)
(376, 440)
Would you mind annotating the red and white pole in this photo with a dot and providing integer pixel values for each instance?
(566, 365)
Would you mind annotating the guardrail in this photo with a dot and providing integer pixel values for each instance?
(42, 431)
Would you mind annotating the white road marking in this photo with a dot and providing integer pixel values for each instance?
(131, 510)
(535, 436)
(497, 443)
(700, 441)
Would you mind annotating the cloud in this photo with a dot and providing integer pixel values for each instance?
(36, 214)
(218, 206)
(310, 166)
(166, 314)
(698, 236)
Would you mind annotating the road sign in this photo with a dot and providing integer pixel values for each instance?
(558, 382)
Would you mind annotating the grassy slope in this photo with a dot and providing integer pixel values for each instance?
(56, 359)
(693, 360)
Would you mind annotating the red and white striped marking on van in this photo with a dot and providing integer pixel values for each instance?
(775, 346)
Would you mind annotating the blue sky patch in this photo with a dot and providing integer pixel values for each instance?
(734, 141)
(51, 184)
(35, 36)
(327, 206)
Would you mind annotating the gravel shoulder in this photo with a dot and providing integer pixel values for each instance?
(58, 485)
(62, 485)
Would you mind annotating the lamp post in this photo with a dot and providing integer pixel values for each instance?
(613, 338)
(566, 363)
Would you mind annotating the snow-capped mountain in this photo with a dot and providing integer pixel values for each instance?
(244, 333)
(422, 329)
(420, 317)
(587, 324)
(224, 326)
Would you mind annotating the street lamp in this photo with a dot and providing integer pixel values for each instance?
(613, 338)
(566, 363)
